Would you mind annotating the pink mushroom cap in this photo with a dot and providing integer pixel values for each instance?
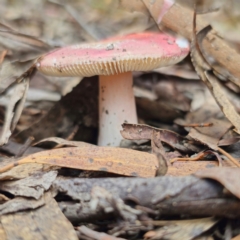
(134, 52)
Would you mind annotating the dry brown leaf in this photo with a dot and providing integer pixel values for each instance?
(20, 204)
(158, 149)
(33, 186)
(20, 171)
(184, 168)
(10, 71)
(228, 177)
(225, 19)
(14, 109)
(182, 229)
(46, 222)
(209, 141)
(211, 135)
(221, 98)
(179, 20)
(16, 103)
(228, 141)
(144, 132)
(205, 72)
(108, 159)
(64, 142)
(218, 69)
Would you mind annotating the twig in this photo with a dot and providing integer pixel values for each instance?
(196, 158)
(196, 124)
(229, 156)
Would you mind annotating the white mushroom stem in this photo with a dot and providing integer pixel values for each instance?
(116, 106)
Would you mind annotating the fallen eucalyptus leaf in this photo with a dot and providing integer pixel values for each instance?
(184, 168)
(108, 159)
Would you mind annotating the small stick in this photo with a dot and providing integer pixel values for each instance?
(196, 125)
(196, 158)
(229, 156)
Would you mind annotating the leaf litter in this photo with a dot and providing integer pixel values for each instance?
(178, 120)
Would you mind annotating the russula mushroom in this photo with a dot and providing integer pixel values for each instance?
(114, 60)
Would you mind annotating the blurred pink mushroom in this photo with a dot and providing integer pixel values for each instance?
(114, 60)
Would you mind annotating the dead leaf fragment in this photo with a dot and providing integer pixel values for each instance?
(211, 142)
(14, 109)
(222, 100)
(33, 186)
(209, 136)
(183, 229)
(228, 177)
(10, 71)
(225, 19)
(64, 142)
(46, 222)
(184, 168)
(21, 171)
(20, 204)
(179, 20)
(207, 74)
(108, 159)
(144, 132)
